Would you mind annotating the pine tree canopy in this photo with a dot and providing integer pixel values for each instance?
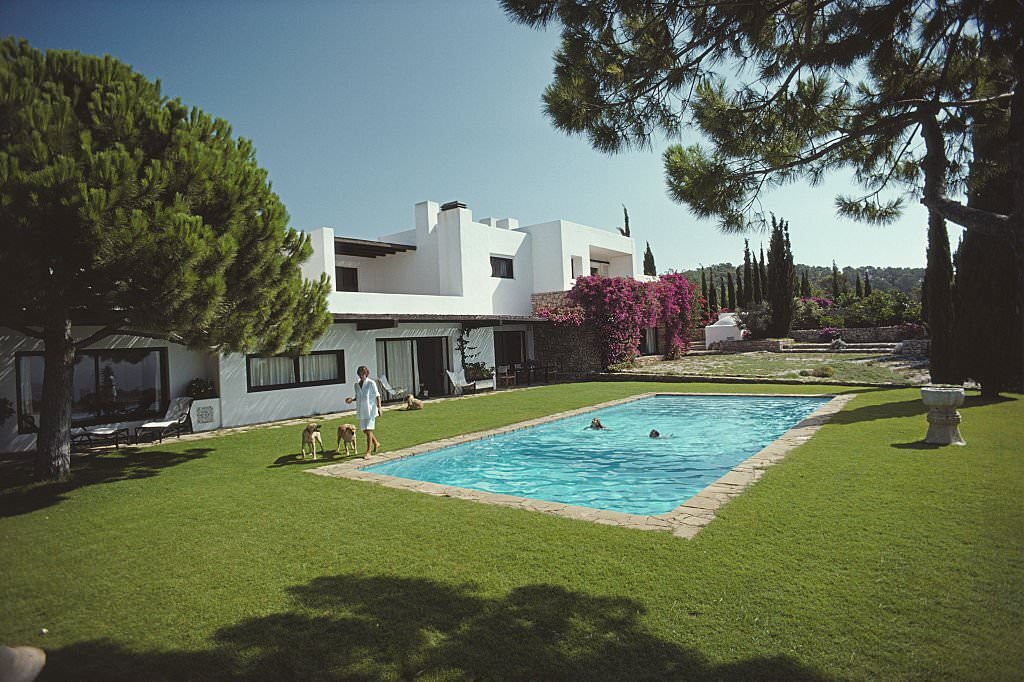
(791, 90)
(126, 209)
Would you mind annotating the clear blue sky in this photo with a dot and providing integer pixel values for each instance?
(359, 110)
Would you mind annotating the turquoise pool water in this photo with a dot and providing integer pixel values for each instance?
(620, 468)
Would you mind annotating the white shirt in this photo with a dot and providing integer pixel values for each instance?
(366, 399)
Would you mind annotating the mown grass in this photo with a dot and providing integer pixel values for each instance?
(863, 555)
(853, 367)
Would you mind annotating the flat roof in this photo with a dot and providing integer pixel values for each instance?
(368, 248)
(379, 321)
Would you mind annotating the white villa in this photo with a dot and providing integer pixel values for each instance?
(399, 305)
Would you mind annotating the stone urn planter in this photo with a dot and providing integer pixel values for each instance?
(943, 418)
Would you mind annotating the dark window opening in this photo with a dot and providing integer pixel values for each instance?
(501, 267)
(272, 372)
(509, 348)
(346, 279)
(108, 386)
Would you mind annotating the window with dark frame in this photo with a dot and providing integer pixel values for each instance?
(275, 372)
(110, 385)
(346, 279)
(501, 267)
(509, 348)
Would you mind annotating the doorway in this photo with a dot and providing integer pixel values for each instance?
(431, 359)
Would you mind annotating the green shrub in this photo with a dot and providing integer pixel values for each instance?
(757, 318)
(199, 389)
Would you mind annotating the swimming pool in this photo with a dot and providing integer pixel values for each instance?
(619, 468)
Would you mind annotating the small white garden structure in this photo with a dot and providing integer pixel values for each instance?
(726, 329)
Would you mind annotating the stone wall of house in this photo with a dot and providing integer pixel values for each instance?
(851, 335)
(573, 351)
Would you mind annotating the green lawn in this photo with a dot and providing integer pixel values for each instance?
(855, 367)
(863, 555)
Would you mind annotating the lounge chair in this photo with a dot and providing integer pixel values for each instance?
(459, 383)
(174, 421)
(391, 394)
(101, 433)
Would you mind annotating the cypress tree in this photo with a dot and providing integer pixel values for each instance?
(986, 271)
(757, 295)
(805, 285)
(649, 268)
(781, 277)
(731, 291)
(748, 286)
(762, 272)
(703, 284)
(939, 281)
(837, 289)
(712, 299)
(624, 231)
(867, 284)
(739, 288)
(127, 210)
(721, 292)
(858, 288)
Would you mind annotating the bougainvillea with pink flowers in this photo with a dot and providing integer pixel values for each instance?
(677, 297)
(567, 316)
(619, 308)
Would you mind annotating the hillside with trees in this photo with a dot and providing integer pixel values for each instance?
(905, 280)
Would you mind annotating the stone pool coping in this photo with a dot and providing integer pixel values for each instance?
(684, 521)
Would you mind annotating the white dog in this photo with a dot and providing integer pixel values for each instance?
(310, 438)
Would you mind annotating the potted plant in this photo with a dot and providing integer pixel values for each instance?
(205, 404)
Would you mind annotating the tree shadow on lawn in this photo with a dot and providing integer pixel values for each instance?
(359, 627)
(328, 457)
(20, 495)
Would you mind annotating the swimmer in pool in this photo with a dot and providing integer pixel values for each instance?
(596, 424)
(654, 433)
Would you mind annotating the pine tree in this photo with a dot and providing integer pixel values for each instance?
(739, 288)
(837, 287)
(748, 287)
(867, 284)
(722, 297)
(649, 268)
(781, 278)
(858, 288)
(731, 291)
(131, 212)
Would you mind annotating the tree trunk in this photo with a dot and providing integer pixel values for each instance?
(53, 444)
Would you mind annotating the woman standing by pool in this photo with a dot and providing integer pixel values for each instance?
(367, 400)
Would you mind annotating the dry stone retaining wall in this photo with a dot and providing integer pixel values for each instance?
(851, 335)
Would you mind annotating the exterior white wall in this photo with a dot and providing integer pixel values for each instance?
(183, 365)
(450, 270)
(239, 407)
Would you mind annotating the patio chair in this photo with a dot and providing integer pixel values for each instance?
(102, 433)
(391, 394)
(505, 376)
(174, 421)
(459, 383)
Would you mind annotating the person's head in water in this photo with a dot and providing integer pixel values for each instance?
(655, 434)
(595, 423)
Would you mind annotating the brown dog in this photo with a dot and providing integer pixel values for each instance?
(310, 438)
(412, 403)
(346, 437)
